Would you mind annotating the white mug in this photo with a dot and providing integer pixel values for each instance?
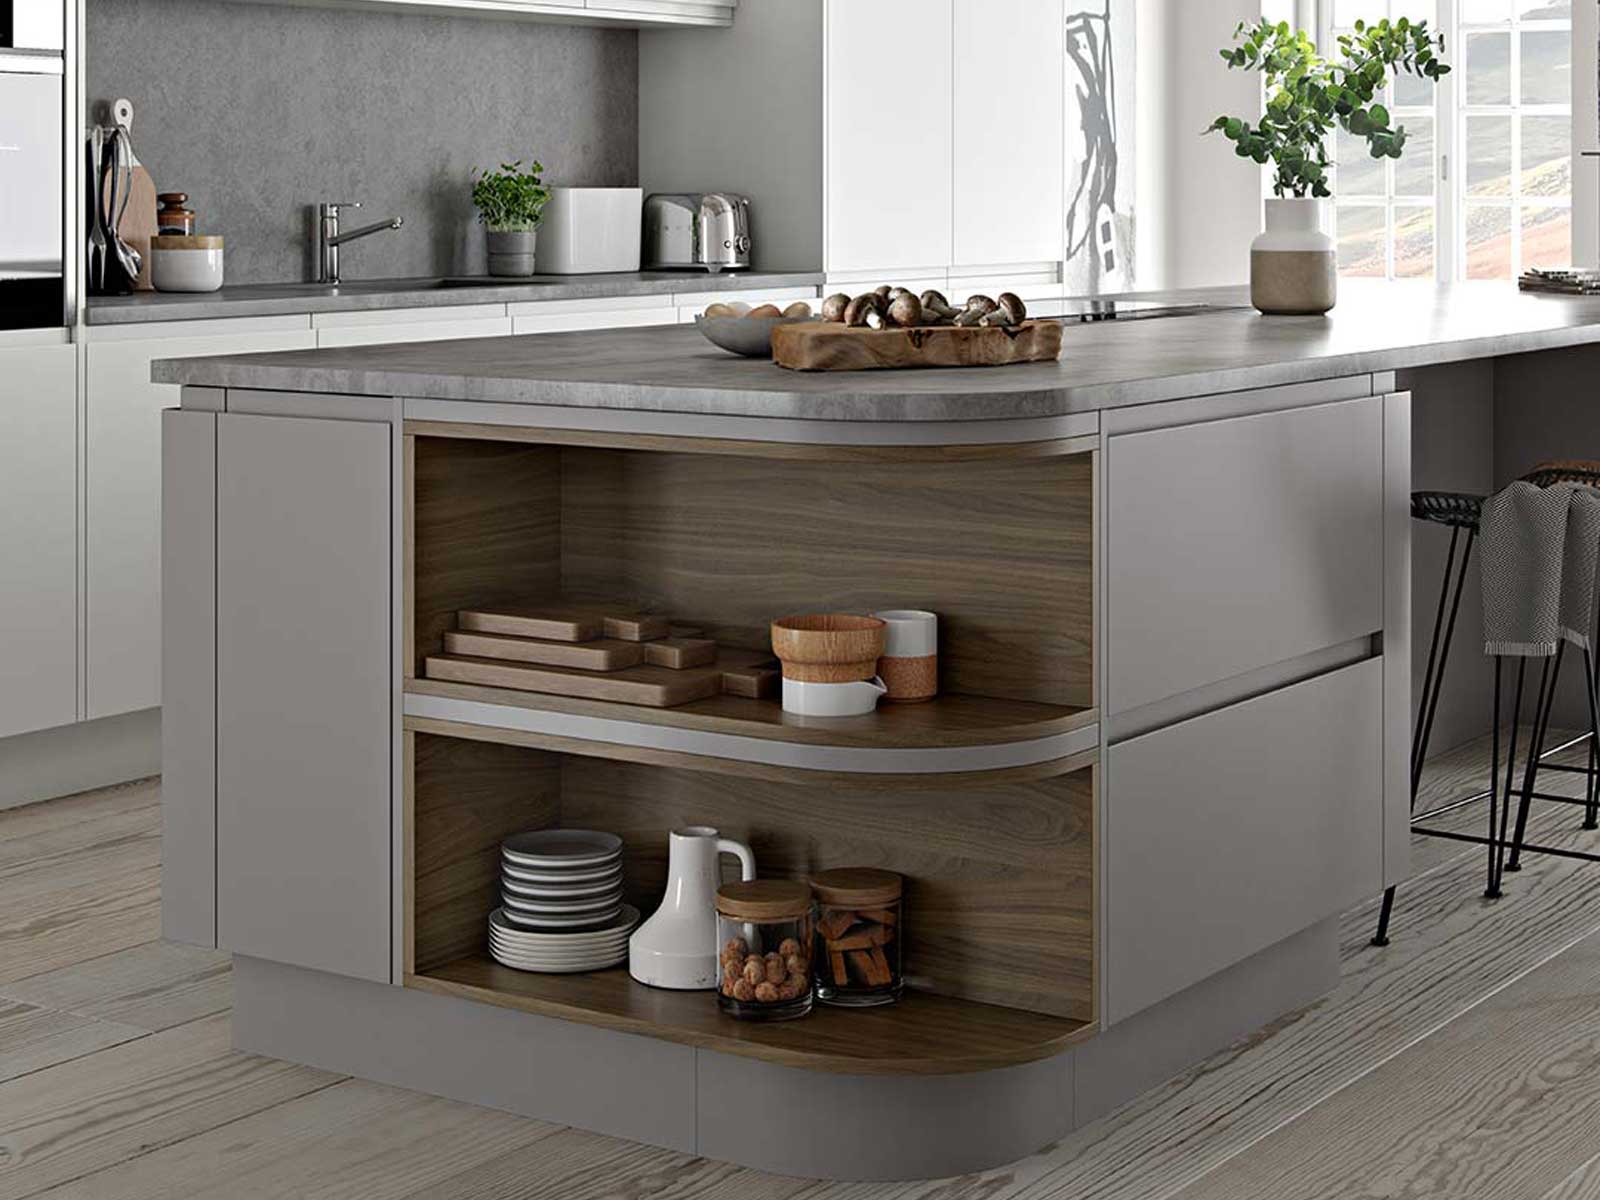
(831, 699)
(910, 662)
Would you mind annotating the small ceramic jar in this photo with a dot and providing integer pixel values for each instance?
(185, 264)
(860, 924)
(764, 933)
(172, 217)
(909, 667)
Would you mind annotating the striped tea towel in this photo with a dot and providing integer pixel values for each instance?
(1540, 549)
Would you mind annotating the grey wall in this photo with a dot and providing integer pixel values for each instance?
(260, 110)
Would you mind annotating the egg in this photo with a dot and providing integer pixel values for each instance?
(765, 312)
(798, 309)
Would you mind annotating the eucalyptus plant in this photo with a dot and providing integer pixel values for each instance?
(1308, 95)
(510, 200)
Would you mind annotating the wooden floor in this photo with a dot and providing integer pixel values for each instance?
(1462, 1061)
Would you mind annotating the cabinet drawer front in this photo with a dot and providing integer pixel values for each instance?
(304, 518)
(1229, 832)
(1237, 544)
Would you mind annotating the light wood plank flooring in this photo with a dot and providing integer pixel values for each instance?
(1462, 1061)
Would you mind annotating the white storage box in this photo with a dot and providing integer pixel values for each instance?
(587, 230)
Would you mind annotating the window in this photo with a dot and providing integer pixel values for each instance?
(1484, 188)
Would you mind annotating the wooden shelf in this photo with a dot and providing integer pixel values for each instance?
(953, 734)
(922, 1035)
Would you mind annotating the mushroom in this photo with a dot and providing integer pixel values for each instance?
(883, 292)
(862, 307)
(905, 310)
(1009, 310)
(833, 307)
(935, 305)
(978, 307)
(896, 292)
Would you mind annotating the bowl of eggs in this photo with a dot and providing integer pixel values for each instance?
(740, 329)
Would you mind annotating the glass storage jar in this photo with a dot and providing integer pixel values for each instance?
(859, 928)
(764, 931)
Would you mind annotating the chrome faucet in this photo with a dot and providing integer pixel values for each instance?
(329, 239)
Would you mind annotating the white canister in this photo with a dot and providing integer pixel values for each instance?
(589, 230)
(186, 262)
(910, 662)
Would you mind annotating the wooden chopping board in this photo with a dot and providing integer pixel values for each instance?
(656, 687)
(831, 346)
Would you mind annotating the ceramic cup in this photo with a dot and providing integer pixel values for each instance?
(910, 663)
(831, 699)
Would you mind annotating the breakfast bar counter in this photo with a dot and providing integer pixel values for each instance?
(1173, 575)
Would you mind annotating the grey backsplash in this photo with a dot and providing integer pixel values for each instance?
(258, 111)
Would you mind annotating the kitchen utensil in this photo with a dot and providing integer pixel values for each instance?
(122, 262)
(185, 264)
(677, 946)
(910, 663)
(561, 952)
(607, 903)
(98, 248)
(561, 848)
(832, 699)
(697, 230)
(831, 346)
(587, 229)
(749, 336)
(136, 219)
(614, 932)
(828, 647)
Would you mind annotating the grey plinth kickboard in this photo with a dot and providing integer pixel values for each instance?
(773, 1118)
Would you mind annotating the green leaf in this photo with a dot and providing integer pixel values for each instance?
(1380, 116)
(1232, 127)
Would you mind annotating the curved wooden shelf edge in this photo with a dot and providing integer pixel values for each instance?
(924, 1034)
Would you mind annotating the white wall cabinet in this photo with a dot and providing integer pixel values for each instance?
(123, 489)
(38, 538)
(887, 134)
(1008, 141)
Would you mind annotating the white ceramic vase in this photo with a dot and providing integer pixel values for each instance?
(677, 946)
(1294, 269)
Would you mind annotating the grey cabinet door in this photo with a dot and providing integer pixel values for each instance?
(304, 520)
(1227, 833)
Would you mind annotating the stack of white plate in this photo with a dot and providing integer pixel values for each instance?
(561, 891)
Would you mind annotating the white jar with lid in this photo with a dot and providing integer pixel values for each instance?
(186, 262)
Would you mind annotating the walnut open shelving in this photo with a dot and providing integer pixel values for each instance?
(924, 1034)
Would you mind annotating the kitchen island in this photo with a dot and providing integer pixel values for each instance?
(1174, 576)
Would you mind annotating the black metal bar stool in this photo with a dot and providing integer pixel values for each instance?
(1462, 513)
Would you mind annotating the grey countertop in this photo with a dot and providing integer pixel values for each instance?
(1376, 327)
(278, 299)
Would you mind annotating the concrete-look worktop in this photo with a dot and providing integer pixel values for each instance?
(359, 295)
(1377, 327)
(1174, 575)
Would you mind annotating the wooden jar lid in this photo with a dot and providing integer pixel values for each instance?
(857, 887)
(764, 899)
(186, 241)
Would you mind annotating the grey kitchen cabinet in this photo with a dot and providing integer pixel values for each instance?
(1229, 832)
(38, 538)
(303, 668)
(1237, 544)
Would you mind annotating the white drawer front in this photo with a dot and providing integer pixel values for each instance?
(1236, 544)
(1228, 833)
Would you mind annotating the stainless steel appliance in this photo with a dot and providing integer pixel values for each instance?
(707, 231)
(32, 150)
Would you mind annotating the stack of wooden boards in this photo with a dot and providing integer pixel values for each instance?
(623, 657)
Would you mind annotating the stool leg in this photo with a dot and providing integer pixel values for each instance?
(1497, 841)
(1432, 678)
(1593, 792)
(1549, 677)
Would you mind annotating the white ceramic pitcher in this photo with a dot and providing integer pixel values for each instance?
(677, 946)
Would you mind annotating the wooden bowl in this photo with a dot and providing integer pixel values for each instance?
(828, 647)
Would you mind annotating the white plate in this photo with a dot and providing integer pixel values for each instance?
(499, 950)
(530, 878)
(609, 904)
(598, 963)
(561, 848)
(623, 924)
(545, 893)
(591, 922)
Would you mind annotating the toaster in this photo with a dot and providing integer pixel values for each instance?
(707, 231)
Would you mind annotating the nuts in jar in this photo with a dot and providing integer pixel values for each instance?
(859, 932)
(764, 931)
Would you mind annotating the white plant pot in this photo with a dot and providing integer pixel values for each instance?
(1294, 268)
(510, 253)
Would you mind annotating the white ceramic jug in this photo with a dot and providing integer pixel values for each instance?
(677, 946)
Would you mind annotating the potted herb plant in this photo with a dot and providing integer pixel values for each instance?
(510, 205)
(1293, 264)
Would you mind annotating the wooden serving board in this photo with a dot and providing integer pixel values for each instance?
(831, 346)
(602, 654)
(655, 687)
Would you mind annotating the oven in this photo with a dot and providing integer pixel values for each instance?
(32, 150)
